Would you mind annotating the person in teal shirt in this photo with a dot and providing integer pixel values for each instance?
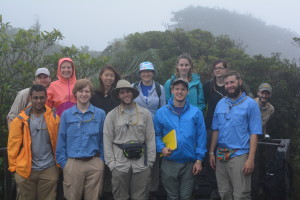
(184, 70)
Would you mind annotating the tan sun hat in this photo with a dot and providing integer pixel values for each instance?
(123, 84)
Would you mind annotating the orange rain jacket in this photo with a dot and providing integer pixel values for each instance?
(60, 92)
(19, 141)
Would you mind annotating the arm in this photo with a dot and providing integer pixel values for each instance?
(102, 114)
(61, 147)
(200, 98)
(200, 136)
(20, 102)
(15, 141)
(255, 127)
(213, 144)
(158, 132)
(167, 87)
(150, 139)
(249, 164)
(108, 133)
(162, 97)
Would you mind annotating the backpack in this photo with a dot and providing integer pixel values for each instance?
(157, 88)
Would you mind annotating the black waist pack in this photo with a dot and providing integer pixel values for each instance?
(132, 150)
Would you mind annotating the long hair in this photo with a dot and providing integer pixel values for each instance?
(101, 84)
(189, 58)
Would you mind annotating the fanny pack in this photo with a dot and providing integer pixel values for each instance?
(224, 154)
(133, 150)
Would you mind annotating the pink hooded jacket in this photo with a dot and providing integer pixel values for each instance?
(59, 93)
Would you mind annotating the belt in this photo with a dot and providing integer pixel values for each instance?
(88, 158)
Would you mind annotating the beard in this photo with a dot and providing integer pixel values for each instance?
(235, 93)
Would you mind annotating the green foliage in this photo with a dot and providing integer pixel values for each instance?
(24, 51)
(282, 74)
(20, 54)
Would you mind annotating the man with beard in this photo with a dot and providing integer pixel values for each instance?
(129, 145)
(235, 126)
(264, 93)
(180, 166)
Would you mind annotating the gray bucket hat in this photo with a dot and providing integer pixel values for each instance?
(123, 84)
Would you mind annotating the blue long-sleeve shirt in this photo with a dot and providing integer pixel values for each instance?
(80, 134)
(190, 132)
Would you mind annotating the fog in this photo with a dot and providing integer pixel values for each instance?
(95, 23)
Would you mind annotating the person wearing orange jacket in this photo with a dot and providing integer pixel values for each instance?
(60, 95)
(31, 146)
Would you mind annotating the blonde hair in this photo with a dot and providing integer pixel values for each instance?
(82, 83)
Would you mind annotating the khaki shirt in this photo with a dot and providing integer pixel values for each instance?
(120, 128)
(266, 113)
(21, 101)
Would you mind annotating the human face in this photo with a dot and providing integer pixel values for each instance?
(147, 76)
(264, 96)
(66, 70)
(38, 100)
(183, 67)
(126, 96)
(108, 78)
(43, 79)
(179, 92)
(219, 70)
(233, 87)
(83, 96)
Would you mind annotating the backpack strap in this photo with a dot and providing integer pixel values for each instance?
(158, 92)
(135, 85)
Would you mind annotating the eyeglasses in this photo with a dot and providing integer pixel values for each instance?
(186, 65)
(218, 68)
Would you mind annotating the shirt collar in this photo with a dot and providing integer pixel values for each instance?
(90, 109)
(229, 101)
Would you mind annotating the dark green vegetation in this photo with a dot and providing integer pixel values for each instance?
(21, 53)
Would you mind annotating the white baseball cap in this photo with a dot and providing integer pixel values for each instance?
(42, 70)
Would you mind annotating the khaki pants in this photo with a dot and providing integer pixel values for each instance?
(155, 175)
(83, 178)
(41, 185)
(133, 186)
(232, 183)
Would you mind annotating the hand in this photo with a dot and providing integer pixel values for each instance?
(248, 167)
(212, 161)
(197, 168)
(166, 151)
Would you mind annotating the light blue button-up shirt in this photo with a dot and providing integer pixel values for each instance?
(236, 121)
(80, 134)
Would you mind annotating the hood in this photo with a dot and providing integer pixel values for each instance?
(24, 114)
(58, 73)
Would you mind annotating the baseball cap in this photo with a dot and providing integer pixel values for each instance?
(265, 87)
(42, 70)
(180, 80)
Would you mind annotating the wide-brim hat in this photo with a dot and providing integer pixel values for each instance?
(123, 84)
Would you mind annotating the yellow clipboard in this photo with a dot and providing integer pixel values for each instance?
(170, 140)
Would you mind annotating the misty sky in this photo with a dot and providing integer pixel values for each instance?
(95, 23)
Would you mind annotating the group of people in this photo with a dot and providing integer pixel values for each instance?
(112, 141)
